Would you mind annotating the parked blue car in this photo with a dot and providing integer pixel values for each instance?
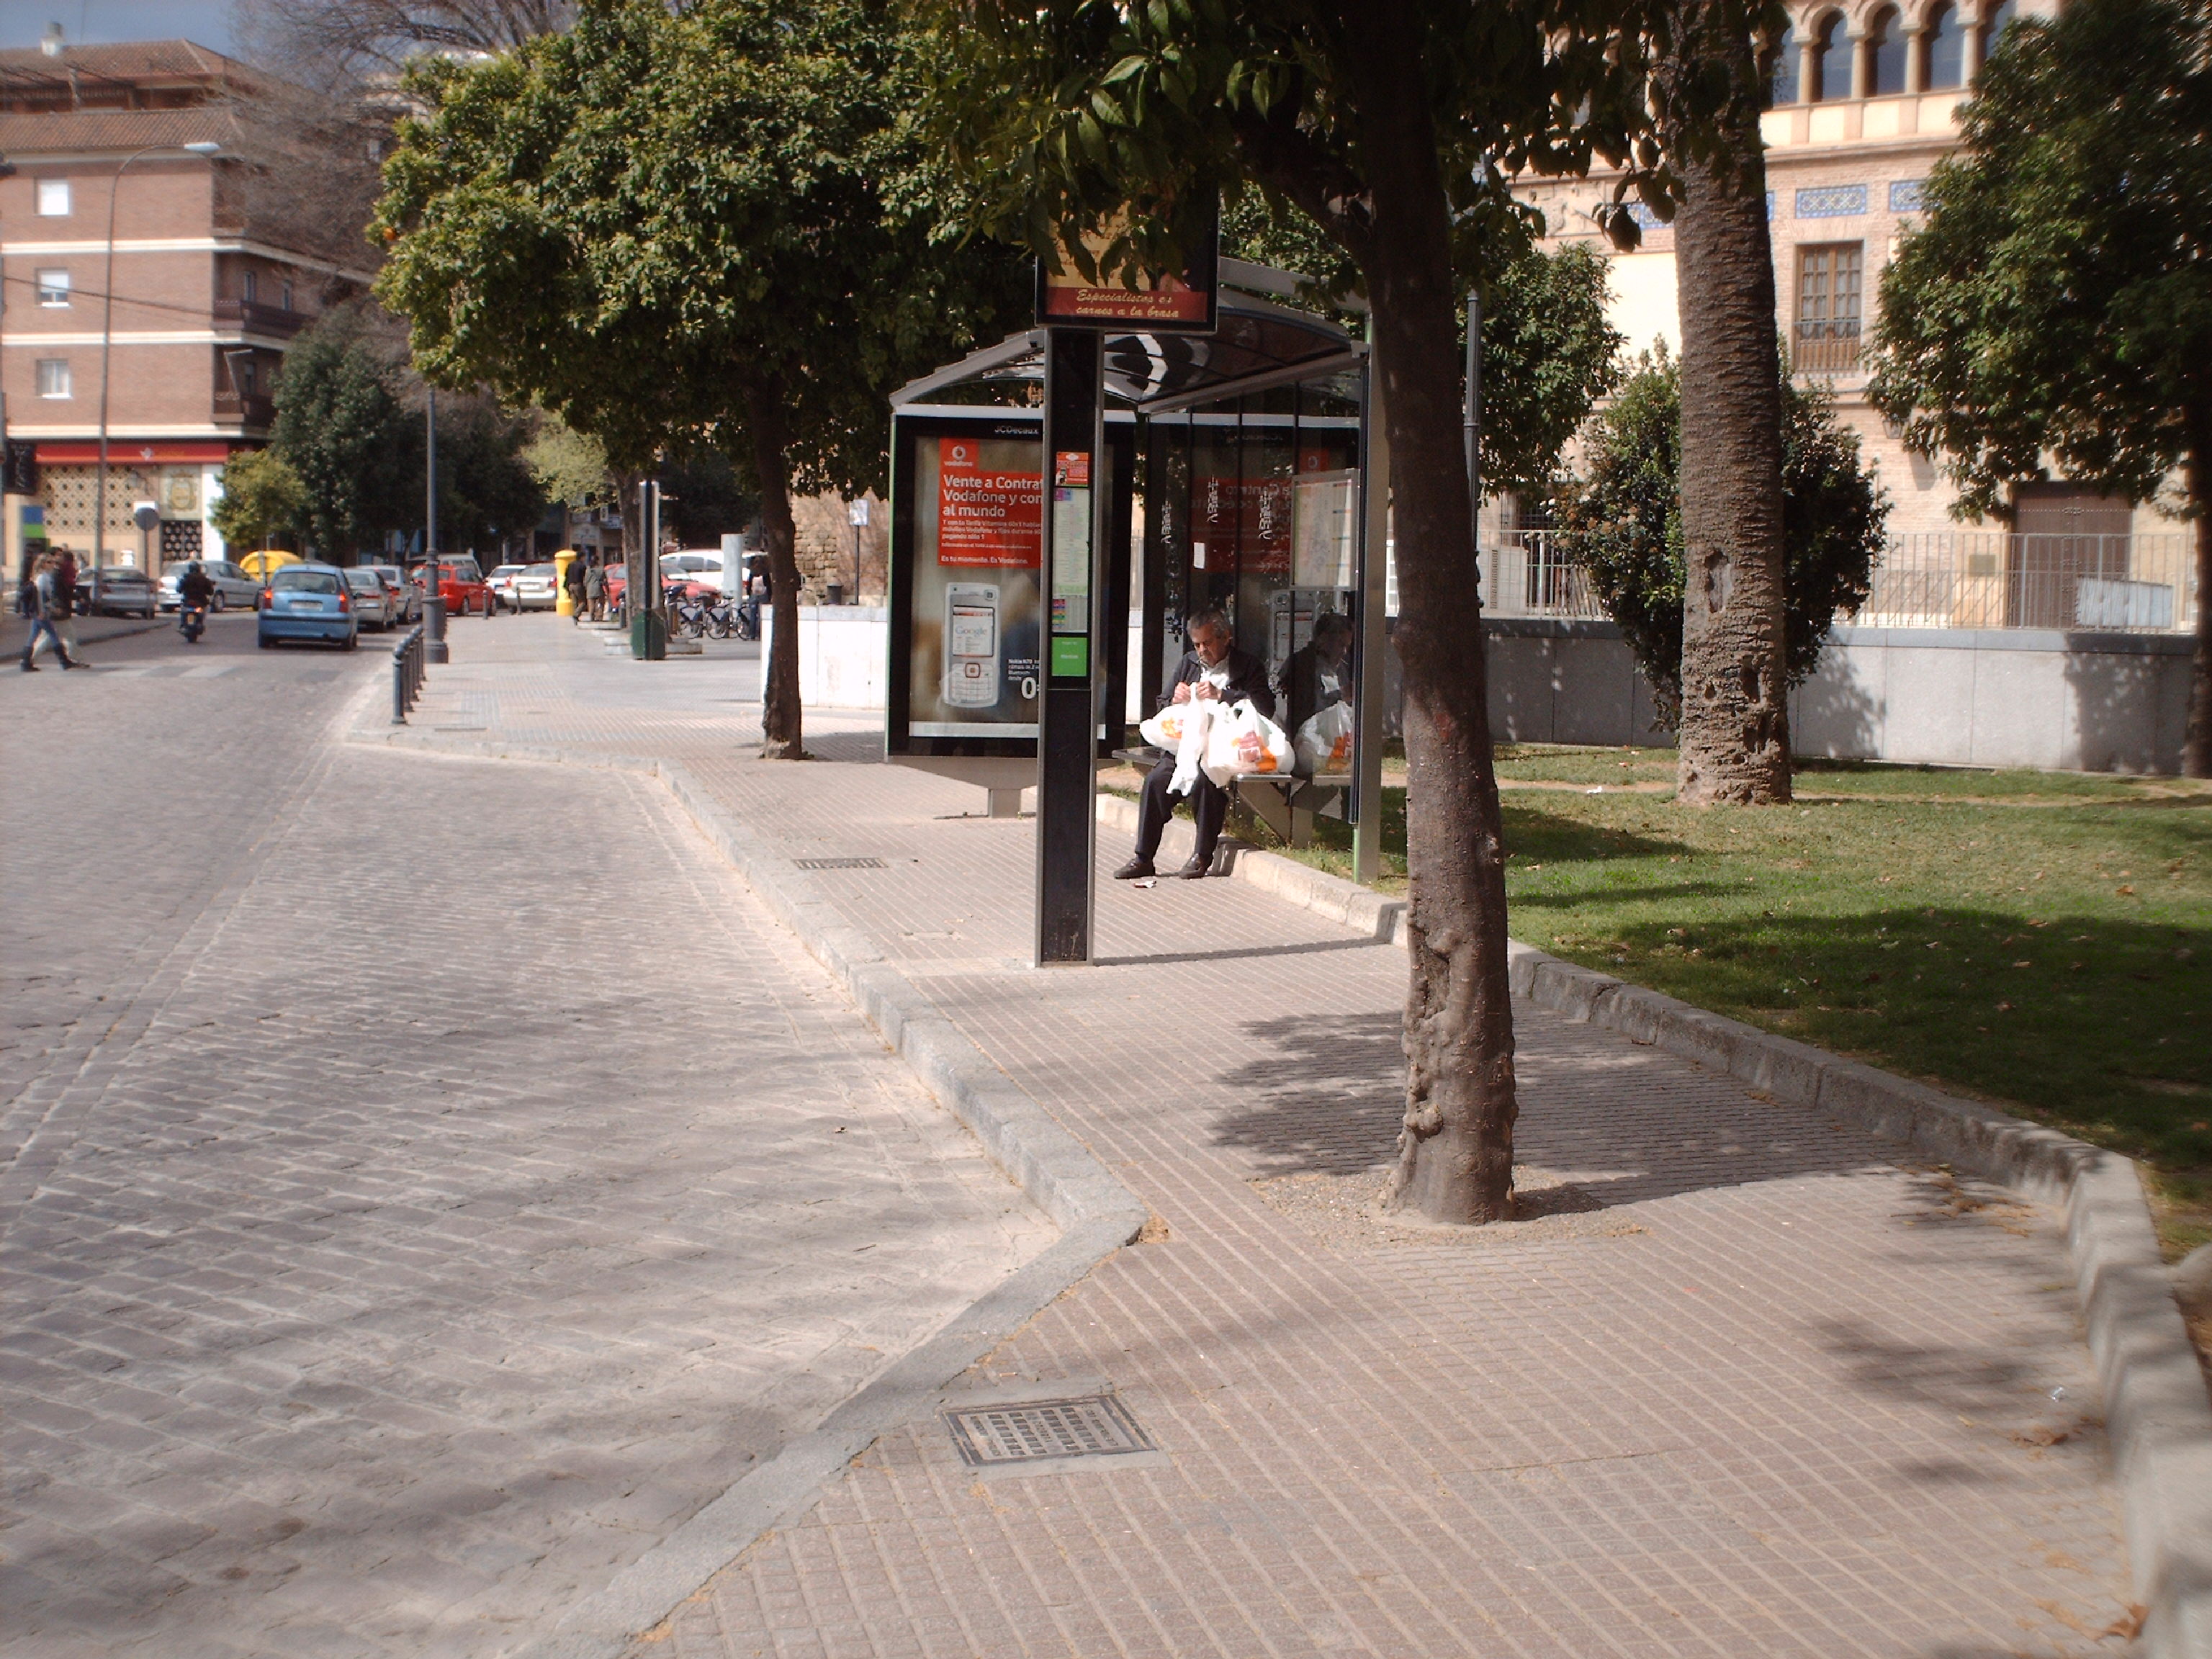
(307, 602)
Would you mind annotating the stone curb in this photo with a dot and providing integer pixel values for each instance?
(2157, 1411)
(1096, 1212)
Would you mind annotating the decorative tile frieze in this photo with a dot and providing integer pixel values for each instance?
(1831, 201)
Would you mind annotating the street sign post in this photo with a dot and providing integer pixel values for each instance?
(1067, 816)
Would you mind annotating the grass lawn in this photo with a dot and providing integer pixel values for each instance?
(2040, 940)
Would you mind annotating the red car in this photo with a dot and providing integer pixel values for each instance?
(461, 585)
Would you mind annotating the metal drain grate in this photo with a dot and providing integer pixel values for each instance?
(839, 864)
(1093, 1425)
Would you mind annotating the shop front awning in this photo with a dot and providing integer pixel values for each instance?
(1258, 344)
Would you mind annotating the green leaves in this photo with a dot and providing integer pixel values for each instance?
(1622, 522)
(2057, 301)
(641, 223)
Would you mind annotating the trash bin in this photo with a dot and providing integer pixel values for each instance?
(835, 593)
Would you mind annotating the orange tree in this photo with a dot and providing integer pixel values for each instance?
(1393, 126)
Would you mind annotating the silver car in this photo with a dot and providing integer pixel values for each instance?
(535, 588)
(232, 585)
(371, 604)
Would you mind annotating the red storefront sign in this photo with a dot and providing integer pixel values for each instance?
(135, 451)
(987, 518)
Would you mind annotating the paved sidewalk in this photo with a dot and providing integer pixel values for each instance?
(1753, 1386)
(467, 1183)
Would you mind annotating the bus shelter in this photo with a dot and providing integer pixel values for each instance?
(1234, 464)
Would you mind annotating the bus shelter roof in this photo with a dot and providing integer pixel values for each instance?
(1256, 344)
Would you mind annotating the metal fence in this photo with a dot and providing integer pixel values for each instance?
(1939, 578)
(1989, 579)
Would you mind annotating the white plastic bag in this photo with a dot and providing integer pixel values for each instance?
(1242, 743)
(1324, 742)
(1165, 729)
(1182, 727)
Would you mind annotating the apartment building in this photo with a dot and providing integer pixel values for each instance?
(1865, 99)
(218, 261)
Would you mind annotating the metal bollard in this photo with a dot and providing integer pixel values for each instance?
(406, 674)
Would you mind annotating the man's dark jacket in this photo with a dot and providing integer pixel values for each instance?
(1248, 678)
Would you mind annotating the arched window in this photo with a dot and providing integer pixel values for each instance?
(1946, 46)
(1782, 68)
(1832, 59)
(1996, 19)
(1885, 48)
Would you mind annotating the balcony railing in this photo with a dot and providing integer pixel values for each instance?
(248, 411)
(1939, 578)
(253, 318)
(1829, 347)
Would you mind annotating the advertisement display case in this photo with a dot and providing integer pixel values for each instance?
(969, 597)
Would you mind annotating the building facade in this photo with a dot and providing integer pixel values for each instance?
(1866, 95)
(214, 273)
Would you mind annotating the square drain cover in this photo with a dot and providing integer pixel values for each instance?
(1045, 1430)
(839, 864)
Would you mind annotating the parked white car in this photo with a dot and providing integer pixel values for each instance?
(702, 565)
(536, 589)
(501, 583)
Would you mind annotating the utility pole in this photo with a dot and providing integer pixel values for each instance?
(434, 596)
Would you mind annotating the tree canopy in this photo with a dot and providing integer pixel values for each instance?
(343, 433)
(1393, 128)
(263, 500)
(720, 223)
(2056, 306)
(1622, 522)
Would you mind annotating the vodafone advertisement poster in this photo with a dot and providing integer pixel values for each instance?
(985, 516)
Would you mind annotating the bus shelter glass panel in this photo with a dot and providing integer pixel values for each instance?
(1253, 506)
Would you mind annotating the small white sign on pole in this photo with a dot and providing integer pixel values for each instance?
(856, 512)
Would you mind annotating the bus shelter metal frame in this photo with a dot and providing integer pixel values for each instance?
(1145, 376)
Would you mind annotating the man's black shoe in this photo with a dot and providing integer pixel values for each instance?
(1196, 870)
(1134, 870)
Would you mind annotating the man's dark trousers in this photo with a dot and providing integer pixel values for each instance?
(1209, 804)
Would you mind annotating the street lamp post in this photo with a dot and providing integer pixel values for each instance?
(202, 147)
(433, 594)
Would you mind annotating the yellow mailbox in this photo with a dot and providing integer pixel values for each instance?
(564, 604)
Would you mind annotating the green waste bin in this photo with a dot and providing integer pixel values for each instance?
(649, 636)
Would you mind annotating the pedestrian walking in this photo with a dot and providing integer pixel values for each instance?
(63, 614)
(595, 589)
(573, 580)
(40, 598)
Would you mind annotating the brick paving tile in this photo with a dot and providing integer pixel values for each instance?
(431, 1181)
(1774, 1395)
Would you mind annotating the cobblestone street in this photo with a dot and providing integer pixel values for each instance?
(432, 1179)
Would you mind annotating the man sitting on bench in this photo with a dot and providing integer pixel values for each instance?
(1212, 669)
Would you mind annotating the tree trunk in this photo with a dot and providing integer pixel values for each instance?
(2197, 741)
(633, 538)
(1456, 1149)
(1735, 733)
(781, 738)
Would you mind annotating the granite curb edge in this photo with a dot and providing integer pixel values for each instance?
(2157, 1411)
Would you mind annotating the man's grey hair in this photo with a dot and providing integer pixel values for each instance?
(1212, 616)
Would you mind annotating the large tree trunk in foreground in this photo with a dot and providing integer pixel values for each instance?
(781, 737)
(2196, 742)
(1456, 1151)
(1735, 733)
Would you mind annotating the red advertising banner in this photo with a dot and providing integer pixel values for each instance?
(995, 519)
